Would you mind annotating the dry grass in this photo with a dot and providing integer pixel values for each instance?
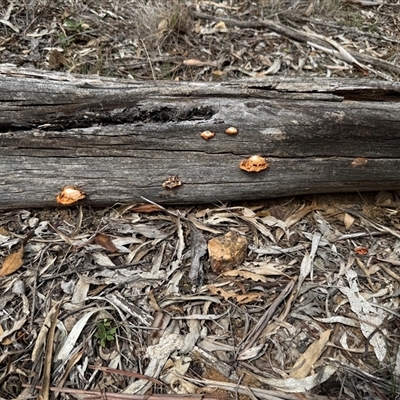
(160, 24)
(154, 39)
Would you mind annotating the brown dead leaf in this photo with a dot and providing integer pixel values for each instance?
(245, 274)
(264, 268)
(300, 214)
(305, 362)
(348, 220)
(147, 208)
(248, 297)
(105, 241)
(220, 292)
(5, 341)
(240, 298)
(12, 262)
(57, 60)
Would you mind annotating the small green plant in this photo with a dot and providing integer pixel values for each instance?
(105, 333)
(74, 26)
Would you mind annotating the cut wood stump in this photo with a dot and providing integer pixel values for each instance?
(119, 141)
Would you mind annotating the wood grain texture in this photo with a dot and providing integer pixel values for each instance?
(119, 140)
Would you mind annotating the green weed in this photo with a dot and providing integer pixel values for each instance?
(105, 332)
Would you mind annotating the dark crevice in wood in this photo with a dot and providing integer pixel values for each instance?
(88, 118)
(369, 95)
(342, 95)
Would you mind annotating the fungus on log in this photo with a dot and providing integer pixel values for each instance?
(118, 141)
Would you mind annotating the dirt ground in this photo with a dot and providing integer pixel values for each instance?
(126, 302)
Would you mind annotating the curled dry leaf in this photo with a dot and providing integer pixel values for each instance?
(12, 262)
(172, 182)
(147, 208)
(231, 131)
(207, 135)
(70, 195)
(105, 241)
(57, 60)
(6, 341)
(254, 164)
(348, 220)
(220, 27)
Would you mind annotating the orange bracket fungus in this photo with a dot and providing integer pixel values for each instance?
(254, 164)
(69, 195)
(172, 182)
(207, 135)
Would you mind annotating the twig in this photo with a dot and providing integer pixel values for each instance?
(150, 63)
(242, 389)
(343, 28)
(94, 394)
(255, 333)
(44, 393)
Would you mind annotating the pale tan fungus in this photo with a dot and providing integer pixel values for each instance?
(254, 164)
(172, 182)
(207, 135)
(231, 131)
(359, 162)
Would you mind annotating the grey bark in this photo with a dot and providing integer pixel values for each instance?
(119, 140)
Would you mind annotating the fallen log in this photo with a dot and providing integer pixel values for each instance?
(120, 140)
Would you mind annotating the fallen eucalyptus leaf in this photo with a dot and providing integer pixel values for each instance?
(12, 262)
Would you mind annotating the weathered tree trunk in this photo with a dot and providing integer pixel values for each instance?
(120, 140)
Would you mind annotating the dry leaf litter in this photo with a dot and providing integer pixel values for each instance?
(202, 39)
(124, 300)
